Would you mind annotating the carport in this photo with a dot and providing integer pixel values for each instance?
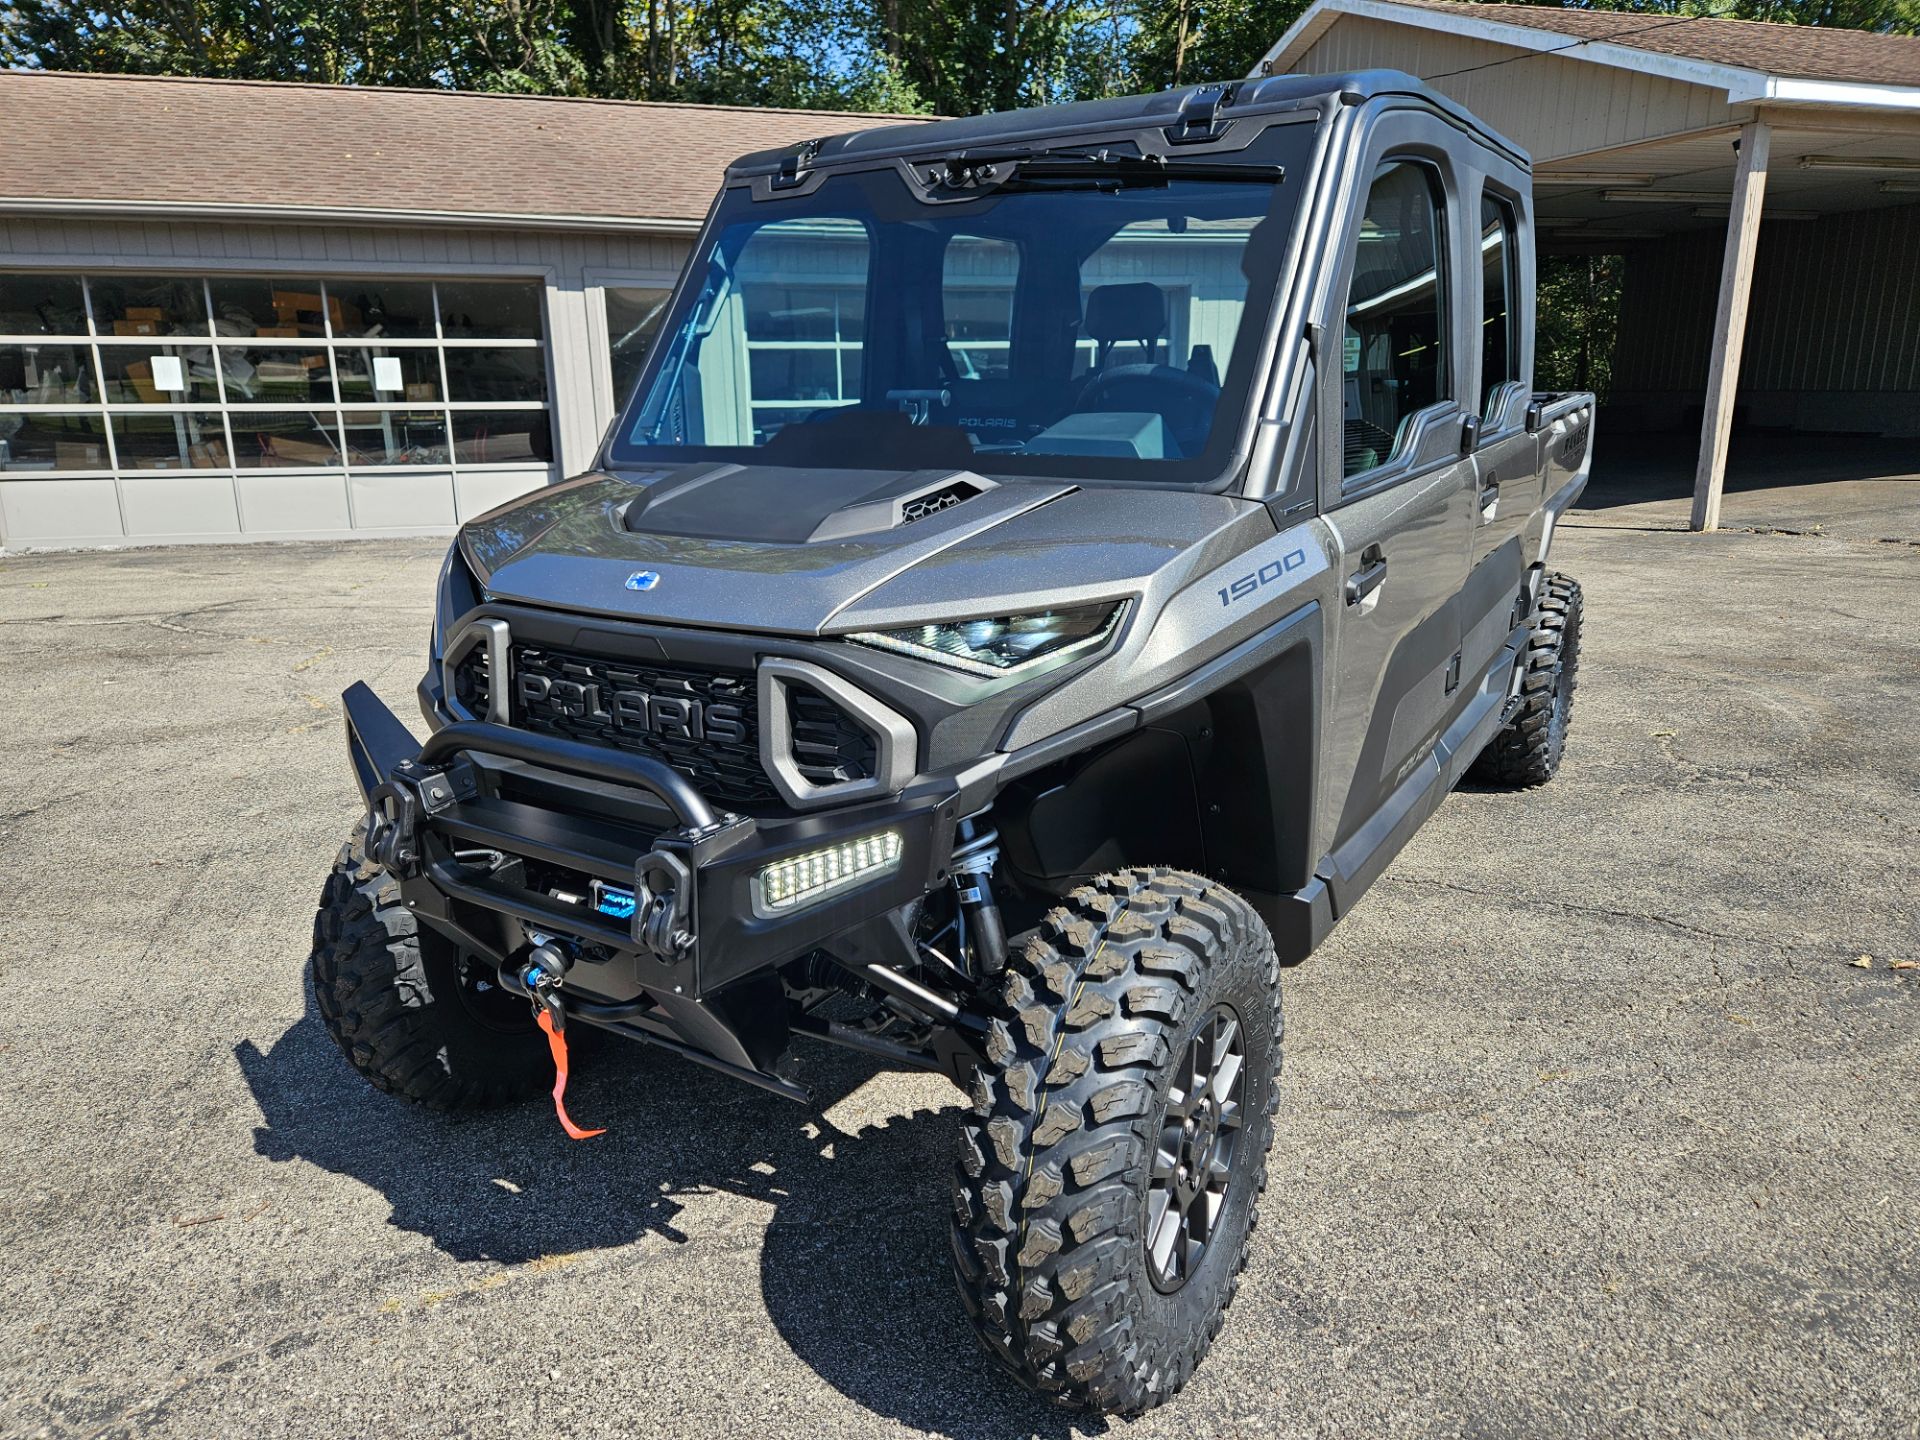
(1762, 180)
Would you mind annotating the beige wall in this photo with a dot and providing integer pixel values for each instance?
(1550, 107)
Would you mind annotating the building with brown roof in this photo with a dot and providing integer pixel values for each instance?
(1762, 183)
(234, 309)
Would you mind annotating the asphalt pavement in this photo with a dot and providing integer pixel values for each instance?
(1599, 1114)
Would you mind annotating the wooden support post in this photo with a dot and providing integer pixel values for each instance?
(1730, 321)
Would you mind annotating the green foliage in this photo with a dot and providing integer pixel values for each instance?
(1180, 41)
(953, 57)
(1577, 322)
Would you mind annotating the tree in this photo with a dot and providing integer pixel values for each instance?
(1177, 42)
(955, 57)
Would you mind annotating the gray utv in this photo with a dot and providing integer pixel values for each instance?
(1049, 566)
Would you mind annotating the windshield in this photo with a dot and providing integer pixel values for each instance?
(1048, 328)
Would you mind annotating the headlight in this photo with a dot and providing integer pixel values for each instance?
(804, 879)
(1007, 645)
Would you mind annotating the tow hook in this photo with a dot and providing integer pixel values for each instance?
(540, 976)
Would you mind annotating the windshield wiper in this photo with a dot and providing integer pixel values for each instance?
(1108, 169)
(1093, 170)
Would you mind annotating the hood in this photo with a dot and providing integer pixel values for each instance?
(777, 550)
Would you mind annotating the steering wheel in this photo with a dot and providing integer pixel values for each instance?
(1184, 401)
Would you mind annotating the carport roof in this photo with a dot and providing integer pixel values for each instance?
(181, 148)
(1749, 61)
(1813, 52)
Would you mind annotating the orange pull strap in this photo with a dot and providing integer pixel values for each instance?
(557, 1042)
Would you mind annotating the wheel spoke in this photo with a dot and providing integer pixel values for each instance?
(1225, 1078)
(1191, 1170)
(1166, 1235)
(1210, 1206)
(1157, 1205)
(1228, 1031)
(1179, 1102)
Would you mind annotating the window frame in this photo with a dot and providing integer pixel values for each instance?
(1509, 210)
(1508, 415)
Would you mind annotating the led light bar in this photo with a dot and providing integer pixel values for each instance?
(810, 877)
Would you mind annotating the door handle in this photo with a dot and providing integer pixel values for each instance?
(1489, 498)
(1363, 585)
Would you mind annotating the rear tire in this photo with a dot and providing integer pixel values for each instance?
(403, 1009)
(1529, 750)
(1068, 1162)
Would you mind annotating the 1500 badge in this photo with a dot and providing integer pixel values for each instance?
(1268, 569)
(1268, 574)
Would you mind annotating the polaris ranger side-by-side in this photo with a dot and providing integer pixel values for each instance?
(1049, 566)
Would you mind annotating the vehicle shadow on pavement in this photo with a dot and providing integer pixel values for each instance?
(854, 1268)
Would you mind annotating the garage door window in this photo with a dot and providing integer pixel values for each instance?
(113, 373)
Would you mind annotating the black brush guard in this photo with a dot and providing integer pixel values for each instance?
(693, 969)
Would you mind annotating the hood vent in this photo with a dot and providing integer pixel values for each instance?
(927, 499)
(934, 501)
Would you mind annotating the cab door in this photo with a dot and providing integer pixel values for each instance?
(1506, 455)
(1402, 507)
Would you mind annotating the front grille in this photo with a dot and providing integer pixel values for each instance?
(828, 747)
(704, 723)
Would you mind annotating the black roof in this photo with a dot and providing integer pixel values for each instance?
(1259, 96)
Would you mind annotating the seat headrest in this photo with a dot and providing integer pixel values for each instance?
(1126, 312)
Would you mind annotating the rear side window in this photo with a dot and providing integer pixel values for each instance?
(1394, 352)
(1499, 333)
(978, 276)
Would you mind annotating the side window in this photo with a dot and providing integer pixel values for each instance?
(1499, 322)
(1394, 351)
(977, 282)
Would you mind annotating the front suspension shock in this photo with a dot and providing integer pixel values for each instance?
(983, 934)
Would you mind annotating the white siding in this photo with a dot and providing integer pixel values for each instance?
(1550, 106)
(49, 510)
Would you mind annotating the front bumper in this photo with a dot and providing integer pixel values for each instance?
(482, 824)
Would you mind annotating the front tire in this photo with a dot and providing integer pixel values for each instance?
(1094, 1131)
(404, 1008)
